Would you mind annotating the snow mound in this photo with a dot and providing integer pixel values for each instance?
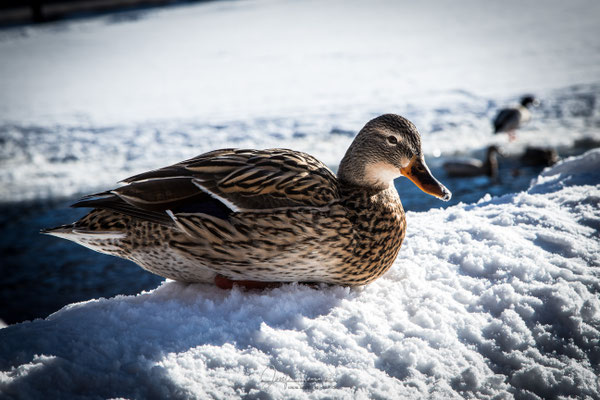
(489, 300)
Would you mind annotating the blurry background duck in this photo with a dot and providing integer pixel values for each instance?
(260, 216)
(475, 167)
(539, 156)
(508, 120)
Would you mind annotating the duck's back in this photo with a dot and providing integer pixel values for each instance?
(242, 178)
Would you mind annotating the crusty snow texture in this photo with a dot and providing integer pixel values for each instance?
(497, 299)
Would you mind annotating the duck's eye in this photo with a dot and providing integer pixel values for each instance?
(392, 139)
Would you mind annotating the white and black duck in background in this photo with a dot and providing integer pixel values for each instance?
(510, 119)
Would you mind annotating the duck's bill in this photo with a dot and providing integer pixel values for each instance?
(418, 172)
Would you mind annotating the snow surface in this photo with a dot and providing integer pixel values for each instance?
(85, 103)
(497, 299)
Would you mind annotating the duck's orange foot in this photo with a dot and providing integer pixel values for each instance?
(225, 283)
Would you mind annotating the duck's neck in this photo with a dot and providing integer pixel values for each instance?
(491, 164)
(525, 113)
(357, 169)
(371, 178)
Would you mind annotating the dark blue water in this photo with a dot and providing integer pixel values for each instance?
(41, 274)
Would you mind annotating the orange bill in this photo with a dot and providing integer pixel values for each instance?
(418, 172)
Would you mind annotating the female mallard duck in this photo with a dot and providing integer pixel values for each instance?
(510, 119)
(272, 215)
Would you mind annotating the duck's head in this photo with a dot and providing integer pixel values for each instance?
(529, 100)
(388, 147)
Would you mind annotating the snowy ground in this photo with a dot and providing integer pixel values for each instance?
(496, 299)
(489, 300)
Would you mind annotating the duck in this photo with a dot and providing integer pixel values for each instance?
(510, 119)
(268, 216)
(539, 156)
(475, 167)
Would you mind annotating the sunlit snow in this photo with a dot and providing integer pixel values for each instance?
(496, 299)
(491, 299)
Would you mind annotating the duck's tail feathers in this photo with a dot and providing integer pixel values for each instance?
(59, 230)
(72, 232)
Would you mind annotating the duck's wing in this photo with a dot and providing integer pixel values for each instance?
(224, 181)
(507, 119)
(150, 201)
